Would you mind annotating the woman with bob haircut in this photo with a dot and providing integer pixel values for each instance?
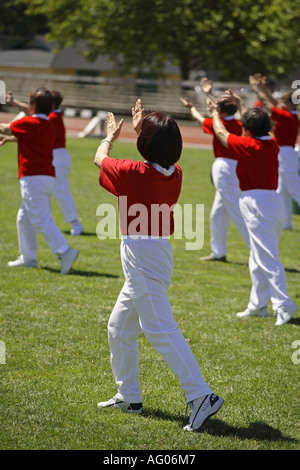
(143, 304)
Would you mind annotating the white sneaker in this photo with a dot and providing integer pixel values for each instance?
(201, 409)
(67, 259)
(122, 405)
(261, 312)
(77, 228)
(285, 313)
(20, 262)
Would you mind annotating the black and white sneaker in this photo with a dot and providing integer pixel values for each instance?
(122, 405)
(202, 409)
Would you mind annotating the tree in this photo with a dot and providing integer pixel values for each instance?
(235, 37)
(17, 23)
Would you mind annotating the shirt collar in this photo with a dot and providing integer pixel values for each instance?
(41, 116)
(263, 137)
(228, 118)
(165, 171)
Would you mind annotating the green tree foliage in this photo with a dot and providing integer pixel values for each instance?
(235, 37)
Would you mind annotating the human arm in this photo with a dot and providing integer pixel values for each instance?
(206, 87)
(5, 128)
(194, 112)
(113, 132)
(137, 116)
(232, 98)
(219, 129)
(258, 84)
(4, 139)
(17, 103)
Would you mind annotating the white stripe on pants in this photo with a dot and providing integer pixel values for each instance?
(289, 180)
(263, 213)
(225, 206)
(34, 216)
(62, 162)
(143, 305)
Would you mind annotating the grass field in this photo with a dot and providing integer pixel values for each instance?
(53, 328)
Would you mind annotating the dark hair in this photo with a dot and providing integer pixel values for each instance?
(43, 100)
(257, 121)
(160, 139)
(229, 109)
(57, 98)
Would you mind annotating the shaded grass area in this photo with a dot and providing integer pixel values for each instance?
(54, 330)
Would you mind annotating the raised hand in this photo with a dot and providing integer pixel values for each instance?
(231, 98)
(206, 85)
(137, 116)
(212, 105)
(113, 129)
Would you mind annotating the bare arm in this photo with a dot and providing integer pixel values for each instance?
(206, 87)
(5, 128)
(233, 98)
(219, 128)
(194, 112)
(113, 132)
(257, 83)
(4, 139)
(17, 103)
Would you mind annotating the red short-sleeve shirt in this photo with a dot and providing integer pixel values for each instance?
(36, 136)
(146, 196)
(286, 126)
(232, 125)
(257, 166)
(57, 119)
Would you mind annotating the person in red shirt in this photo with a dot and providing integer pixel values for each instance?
(226, 202)
(262, 209)
(62, 161)
(143, 304)
(286, 129)
(35, 136)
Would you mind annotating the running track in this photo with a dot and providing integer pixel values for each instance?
(192, 135)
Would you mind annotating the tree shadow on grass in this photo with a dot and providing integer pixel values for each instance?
(79, 272)
(215, 427)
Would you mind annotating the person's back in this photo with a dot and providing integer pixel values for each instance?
(147, 260)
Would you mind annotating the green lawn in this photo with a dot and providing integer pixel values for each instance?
(53, 327)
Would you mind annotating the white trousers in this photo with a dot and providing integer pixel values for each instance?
(225, 206)
(263, 213)
(34, 216)
(143, 306)
(289, 181)
(62, 162)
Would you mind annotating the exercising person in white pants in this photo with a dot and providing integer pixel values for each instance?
(226, 202)
(147, 260)
(35, 136)
(262, 209)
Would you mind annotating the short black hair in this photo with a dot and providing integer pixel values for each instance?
(160, 139)
(43, 100)
(257, 121)
(229, 109)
